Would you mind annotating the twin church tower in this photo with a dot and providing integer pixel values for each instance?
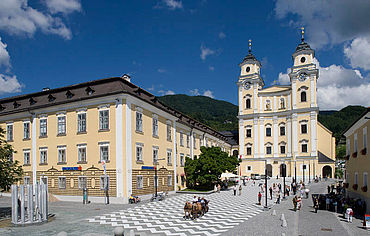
(278, 125)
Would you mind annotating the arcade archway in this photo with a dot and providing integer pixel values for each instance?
(327, 171)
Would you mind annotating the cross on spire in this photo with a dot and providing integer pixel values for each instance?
(302, 32)
(250, 46)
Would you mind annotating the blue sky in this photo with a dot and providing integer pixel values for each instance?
(182, 47)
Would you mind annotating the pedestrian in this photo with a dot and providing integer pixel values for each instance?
(278, 198)
(307, 191)
(295, 202)
(287, 191)
(299, 203)
(316, 205)
(328, 189)
(240, 190)
(234, 188)
(327, 203)
(218, 188)
(259, 198)
(279, 186)
(270, 192)
(349, 213)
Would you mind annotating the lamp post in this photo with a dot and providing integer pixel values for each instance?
(309, 171)
(304, 167)
(156, 176)
(295, 170)
(265, 207)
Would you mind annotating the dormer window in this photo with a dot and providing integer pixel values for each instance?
(69, 94)
(89, 91)
(32, 101)
(303, 96)
(51, 98)
(16, 105)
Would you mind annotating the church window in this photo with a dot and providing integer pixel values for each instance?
(303, 96)
(282, 103)
(304, 128)
(282, 149)
(268, 149)
(303, 59)
(248, 103)
(248, 69)
(282, 130)
(268, 131)
(304, 147)
(249, 132)
(249, 149)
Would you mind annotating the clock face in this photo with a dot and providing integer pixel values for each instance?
(302, 76)
(247, 85)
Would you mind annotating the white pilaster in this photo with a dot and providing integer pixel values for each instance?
(240, 99)
(289, 102)
(191, 144)
(129, 157)
(255, 137)
(275, 135)
(313, 134)
(262, 138)
(295, 134)
(119, 148)
(312, 88)
(294, 94)
(261, 105)
(241, 137)
(274, 103)
(34, 151)
(255, 87)
(289, 136)
(174, 152)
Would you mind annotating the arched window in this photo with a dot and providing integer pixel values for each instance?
(303, 96)
(248, 103)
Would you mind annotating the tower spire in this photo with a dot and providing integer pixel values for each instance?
(250, 46)
(302, 33)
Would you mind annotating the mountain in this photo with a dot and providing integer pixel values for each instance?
(221, 115)
(217, 114)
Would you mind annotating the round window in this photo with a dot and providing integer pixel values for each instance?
(303, 59)
(248, 69)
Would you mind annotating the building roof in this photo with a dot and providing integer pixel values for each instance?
(275, 88)
(94, 89)
(251, 59)
(323, 158)
(231, 136)
(359, 118)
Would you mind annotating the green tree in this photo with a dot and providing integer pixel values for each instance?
(340, 151)
(203, 171)
(10, 171)
(338, 173)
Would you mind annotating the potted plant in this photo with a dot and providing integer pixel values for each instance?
(364, 189)
(363, 151)
(355, 186)
(354, 155)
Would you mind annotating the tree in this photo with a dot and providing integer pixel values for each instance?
(203, 171)
(340, 151)
(10, 171)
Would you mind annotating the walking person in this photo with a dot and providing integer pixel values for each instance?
(349, 213)
(218, 188)
(295, 202)
(259, 198)
(316, 205)
(278, 198)
(240, 190)
(299, 203)
(270, 192)
(234, 188)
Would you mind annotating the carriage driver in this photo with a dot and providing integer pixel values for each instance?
(195, 200)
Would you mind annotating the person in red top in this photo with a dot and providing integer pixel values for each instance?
(259, 198)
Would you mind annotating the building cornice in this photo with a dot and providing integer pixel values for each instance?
(280, 113)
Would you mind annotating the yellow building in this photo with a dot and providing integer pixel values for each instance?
(62, 136)
(358, 158)
(278, 125)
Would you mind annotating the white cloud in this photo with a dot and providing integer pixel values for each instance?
(328, 22)
(337, 87)
(151, 88)
(211, 68)
(9, 84)
(208, 93)
(160, 70)
(164, 92)
(194, 92)
(222, 35)
(205, 52)
(170, 4)
(358, 53)
(63, 6)
(17, 17)
(4, 55)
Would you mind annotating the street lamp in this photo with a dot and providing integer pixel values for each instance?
(265, 207)
(156, 176)
(304, 167)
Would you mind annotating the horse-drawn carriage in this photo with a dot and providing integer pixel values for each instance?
(193, 210)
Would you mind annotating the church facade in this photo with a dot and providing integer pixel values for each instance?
(278, 125)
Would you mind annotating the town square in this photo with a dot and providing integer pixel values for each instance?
(173, 117)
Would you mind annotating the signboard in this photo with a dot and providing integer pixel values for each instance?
(71, 168)
(367, 221)
(147, 167)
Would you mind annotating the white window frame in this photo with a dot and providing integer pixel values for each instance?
(61, 124)
(304, 124)
(62, 149)
(26, 129)
(246, 131)
(268, 126)
(155, 154)
(169, 130)
(139, 184)
(42, 178)
(43, 127)
(169, 156)
(181, 139)
(82, 182)
(155, 125)
(102, 182)
(248, 145)
(61, 184)
(246, 102)
(282, 144)
(268, 145)
(139, 151)
(79, 156)
(104, 118)
(282, 103)
(169, 180)
(282, 125)
(82, 123)
(9, 132)
(28, 182)
(195, 141)
(182, 159)
(103, 145)
(43, 158)
(303, 142)
(187, 140)
(139, 119)
(28, 152)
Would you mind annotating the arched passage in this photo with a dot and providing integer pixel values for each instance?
(327, 171)
(269, 170)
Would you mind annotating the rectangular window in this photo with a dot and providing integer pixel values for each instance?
(195, 141)
(26, 130)
(187, 140)
(139, 152)
(82, 182)
(139, 182)
(27, 157)
(282, 130)
(104, 151)
(169, 180)
(81, 156)
(355, 142)
(348, 149)
(304, 128)
(43, 127)
(104, 119)
(268, 131)
(249, 168)
(43, 155)
(61, 125)
(169, 157)
(268, 150)
(282, 149)
(81, 122)
(9, 132)
(249, 151)
(304, 147)
(356, 178)
(139, 121)
(62, 182)
(169, 133)
(155, 154)
(365, 179)
(249, 133)
(27, 180)
(181, 139)
(364, 137)
(62, 158)
(104, 182)
(182, 159)
(155, 126)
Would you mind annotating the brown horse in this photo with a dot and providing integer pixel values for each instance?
(196, 210)
(187, 210)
